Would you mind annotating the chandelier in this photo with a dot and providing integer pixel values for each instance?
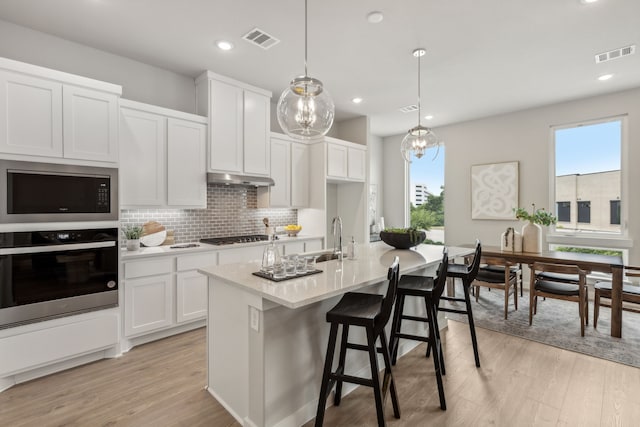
(419, 138)
(305, 109)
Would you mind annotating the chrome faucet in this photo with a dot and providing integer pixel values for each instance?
(337, 228)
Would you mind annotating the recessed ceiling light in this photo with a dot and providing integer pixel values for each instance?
(588, 1)
(224, 45)
(605, 77)
(356, 100)
(428, 117)
(375, 17)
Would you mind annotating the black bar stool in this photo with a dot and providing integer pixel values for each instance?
(371, 311)
(467, 273)
(431, 290)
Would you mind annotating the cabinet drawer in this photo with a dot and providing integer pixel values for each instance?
(192, 262)
(148, 267)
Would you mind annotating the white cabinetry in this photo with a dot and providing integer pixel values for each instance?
(148, 296)
(299, 175)
(165, 293)
(346, 161)
(30, 115)
(290, 172)
(149, 303)
(239, 122)
(90, 124)
(162, 157)
(47, 113)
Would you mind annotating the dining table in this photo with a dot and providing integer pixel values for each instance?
(609, 264)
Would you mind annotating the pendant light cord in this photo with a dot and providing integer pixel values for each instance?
(305, 38)
(419, 89)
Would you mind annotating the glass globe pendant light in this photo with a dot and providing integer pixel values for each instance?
(305, 109)
(419, 138)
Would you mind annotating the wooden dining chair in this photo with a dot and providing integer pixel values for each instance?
(540, 286)
(496, 273)
(630, 294)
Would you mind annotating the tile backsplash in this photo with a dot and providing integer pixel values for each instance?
(231, 210)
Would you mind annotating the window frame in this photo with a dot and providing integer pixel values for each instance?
(588, 237)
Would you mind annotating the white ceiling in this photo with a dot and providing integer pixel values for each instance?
(483, 57)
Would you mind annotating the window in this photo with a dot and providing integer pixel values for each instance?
(426, 192)
(588, 172)
(584, 212)
(614, 212)
(563, 211)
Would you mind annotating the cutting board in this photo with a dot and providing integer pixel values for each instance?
(153, 234)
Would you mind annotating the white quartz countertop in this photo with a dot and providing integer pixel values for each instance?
(152, 251)
(337, 277)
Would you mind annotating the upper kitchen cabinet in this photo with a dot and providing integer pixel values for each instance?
(290, 172)
(346, 161)
(163, 157)
(49, 114)
(239, 122)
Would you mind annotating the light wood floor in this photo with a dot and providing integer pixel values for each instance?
(520, 383)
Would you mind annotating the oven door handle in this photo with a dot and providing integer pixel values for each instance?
(56, 248)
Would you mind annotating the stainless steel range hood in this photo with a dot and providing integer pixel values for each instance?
(230, 179)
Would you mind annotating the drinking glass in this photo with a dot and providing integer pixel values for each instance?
(279, 270)
(311, 263)
(290, 265)
(301, 265)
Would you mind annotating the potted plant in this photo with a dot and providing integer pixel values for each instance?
(132, 234)
(532, 231)
(403, 238)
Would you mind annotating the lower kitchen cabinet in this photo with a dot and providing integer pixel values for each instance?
(191, 296)
(148, 304)
(165, 293)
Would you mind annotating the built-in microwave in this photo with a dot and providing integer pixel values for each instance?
(47, 192)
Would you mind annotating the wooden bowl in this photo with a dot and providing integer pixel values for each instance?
(402, 240)
(293, 233)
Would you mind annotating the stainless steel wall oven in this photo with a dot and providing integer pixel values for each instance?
(47, 274)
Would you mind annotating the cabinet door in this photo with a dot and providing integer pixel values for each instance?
(148, 304)
(313, 245)
(191, 296)
(90, 125)
(186, 163)
(279, 194)
(357, 168)
(299, 175)
(142, 158)
(291, 248)
(226, 127)
(256, 133)
(30, 115)
(336, 161)
(248, 253)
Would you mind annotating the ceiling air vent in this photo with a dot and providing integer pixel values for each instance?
(409, 108)
(615, 54)
(260, 38)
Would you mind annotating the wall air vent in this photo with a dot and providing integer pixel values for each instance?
(260, 38)
(409, 108)
(615, 54)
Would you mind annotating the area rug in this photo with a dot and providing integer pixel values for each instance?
(557, 324)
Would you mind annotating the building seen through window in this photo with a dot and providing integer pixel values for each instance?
(588, 186)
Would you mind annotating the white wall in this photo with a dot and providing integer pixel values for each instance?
(376, 173)
(524, 136)
(395, 172)
(140, 82)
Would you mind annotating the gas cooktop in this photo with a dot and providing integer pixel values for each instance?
(235, 239)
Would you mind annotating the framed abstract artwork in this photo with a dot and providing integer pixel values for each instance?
(494, 191)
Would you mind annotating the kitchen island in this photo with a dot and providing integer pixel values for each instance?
(266, 340)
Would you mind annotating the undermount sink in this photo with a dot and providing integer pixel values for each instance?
(327, 256)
